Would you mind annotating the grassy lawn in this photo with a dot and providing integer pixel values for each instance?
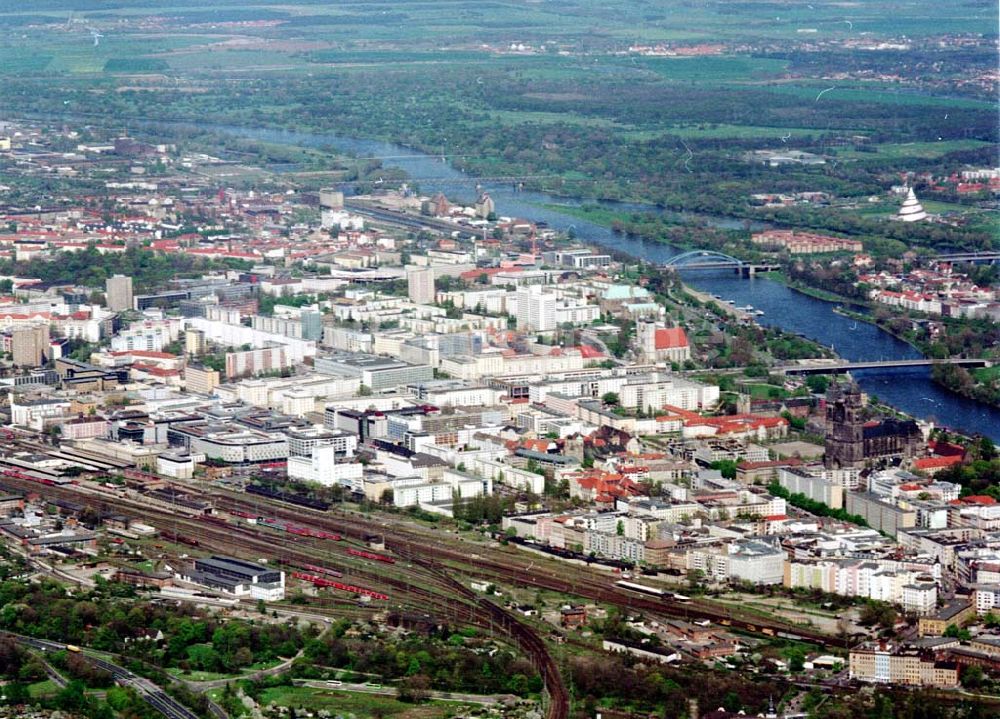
(41, 689)
(986, 374)
(197, 676)
(763, 391)
(263, 665)
(351, 703)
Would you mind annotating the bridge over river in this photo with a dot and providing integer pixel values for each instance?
(842, 367)
(710, 260)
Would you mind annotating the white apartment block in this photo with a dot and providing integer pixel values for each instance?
(656, 391)
(536, 309)
(815, 487)
(322, 467)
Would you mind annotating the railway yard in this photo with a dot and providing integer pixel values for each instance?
(414, 569)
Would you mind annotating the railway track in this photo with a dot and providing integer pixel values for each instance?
(453, 599)
(500, 567)
(426, 582)
(585, 583)
(525, 636)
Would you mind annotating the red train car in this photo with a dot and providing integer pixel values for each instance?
(321, 570)
(327, 535)
(371, 555)
(179, 538)
(141, 476)
(308, 532)
(320, 582)
(18, 474)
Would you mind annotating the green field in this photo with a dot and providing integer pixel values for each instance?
(557, 92)
(915, 150)
(713, 68)
(353, 703)
(849, 92)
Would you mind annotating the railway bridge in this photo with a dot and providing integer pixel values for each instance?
(844, 367)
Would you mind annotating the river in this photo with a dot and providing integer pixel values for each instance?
(911, 390)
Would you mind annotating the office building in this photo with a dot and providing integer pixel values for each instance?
(118, 290)
(231, 444)
(322, 467)
(312, 325)
(375, 372)
(302, 442)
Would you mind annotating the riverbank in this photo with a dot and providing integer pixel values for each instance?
(868, 319)
(794, 313)
(982, 385)
(819, 294)
(709, 299)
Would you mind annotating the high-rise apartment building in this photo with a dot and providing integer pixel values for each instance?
(420, 285)
(30, 345)
(536, 309)
(119, 293)
(194, 342)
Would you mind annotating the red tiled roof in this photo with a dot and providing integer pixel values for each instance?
(670, 337)
(977, 499)
(936, 462)
(588, 352)
(946, 449)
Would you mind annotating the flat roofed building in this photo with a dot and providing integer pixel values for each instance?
(301, 442)
(200, 379)
(375, 372)
(881, 515)
(118, 289)
(237, 577)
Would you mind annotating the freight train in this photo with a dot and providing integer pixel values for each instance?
(283, 526)
(371, 555)
(321, 582)
(316, 569)
(179, 538)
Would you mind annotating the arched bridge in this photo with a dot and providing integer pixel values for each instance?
(695, 259)
(712, 260)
